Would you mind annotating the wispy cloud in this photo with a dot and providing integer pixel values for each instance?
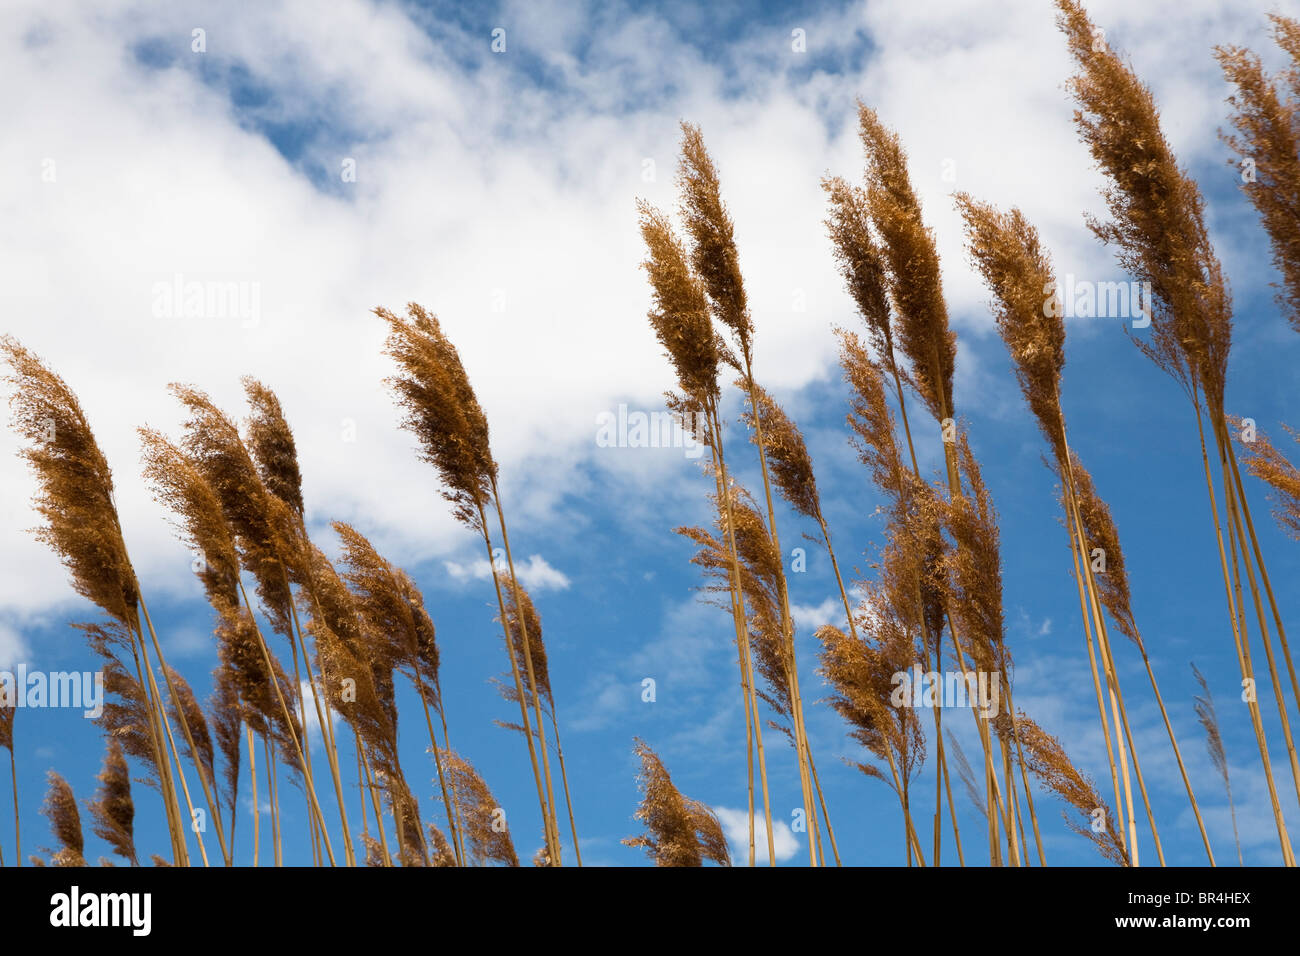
(735, 823)
(535, 573)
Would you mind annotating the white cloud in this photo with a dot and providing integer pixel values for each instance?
(810, 617)
(12, 647)
(735, 823)
(535, 573)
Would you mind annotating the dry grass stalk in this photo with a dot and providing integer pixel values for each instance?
(1209, 719)
(113, 811)
(680, 831)
(7, 742)
(1269, 465)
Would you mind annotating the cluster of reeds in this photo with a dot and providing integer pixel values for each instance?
(354, 627)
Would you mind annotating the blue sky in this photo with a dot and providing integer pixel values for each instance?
(498, 190)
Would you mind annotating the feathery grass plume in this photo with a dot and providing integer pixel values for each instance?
(126, 715)
(75, 495)
(156, 860)
(394, 609)
(487, 836)
(271, 442)
(1047, 760)
(112, 811)
(912, 266)
(872, 423)
(680, 831)
(787, 455)
(1269, 128)
(440, 853)
(185, 708)
(713, 245)
(374, 853)
(65, 822)
(441, 409)
(1156, 210)
(680, 317)
(967, 776)
(226, 717)
(861, 261)
(7, 711)
(1017, 270)
(1269, 465)
(1209, 719)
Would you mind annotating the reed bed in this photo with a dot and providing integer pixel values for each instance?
(357, 629)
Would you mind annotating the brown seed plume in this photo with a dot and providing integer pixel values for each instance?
(487, 836)
(126, 716)
(65, 822)
(1156, 213)
(394, 609)
(1269, 465)
(861, 261)
(521, 618)
(912, 265)
(441, 410)
(1099, 528)
(713, 245)
(973, 791)
(75, 485)
(787, 455)
(680, 316)
(1006, 250)
(680, 831)
(271, 441)
(871, 421)
(1047, 760)
(185, 711)
(261, 523)
(440, 853)
(7, 712)
(112, 811)
(1269, 137)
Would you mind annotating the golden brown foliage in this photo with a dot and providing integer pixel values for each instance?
(1269, 129)
(1007, 252)
(126, 716)
(860, 261)
(713, 245)
(1156, 213)
(680, 831)
(522, 619)
(65, 822)
(912, 266)
(227, 723)
(440, 853)
(1269, 465)
(680, 316)
(487, 835)
(271, 442)
(113, 811)
(1209, 720)
(185, 711)
(75, 485)
(1047, 760)
(1099, 529)
(787, 455)
(441, 409)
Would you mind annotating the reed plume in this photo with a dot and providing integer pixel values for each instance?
(487, 835)
(1268, 125)
(1209, 720)
(1048, 761)
(65, 822)
(226, 717)
(1269, 465)
(113, 811)
(680, 831)
(967, 776)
